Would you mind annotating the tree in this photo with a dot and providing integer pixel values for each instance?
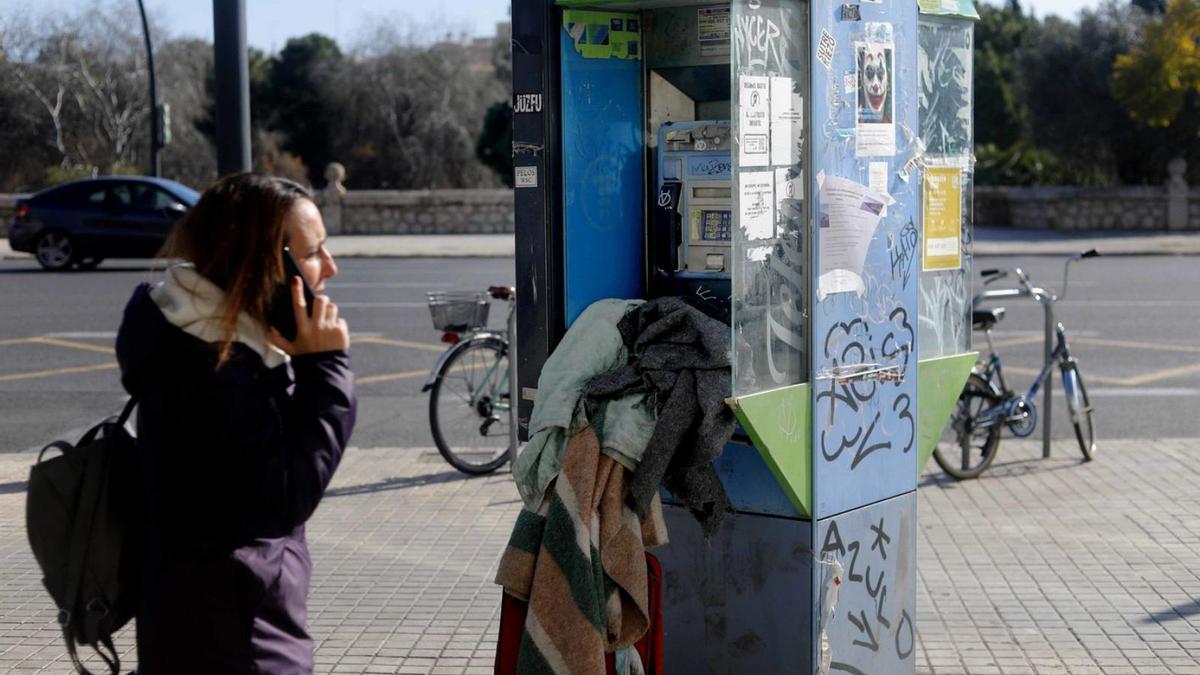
(83, 80)
(1000, 115)
(1063, 74)
(1155, 78)
(410, 115)
(494, 147)
(297, 99)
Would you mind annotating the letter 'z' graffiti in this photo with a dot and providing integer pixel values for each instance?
(857, 343)
(877, 618)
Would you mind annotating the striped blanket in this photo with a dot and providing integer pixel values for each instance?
(580, 563)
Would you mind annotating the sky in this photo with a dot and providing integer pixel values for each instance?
(271, 22)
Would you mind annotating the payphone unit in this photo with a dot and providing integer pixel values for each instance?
(692, 216)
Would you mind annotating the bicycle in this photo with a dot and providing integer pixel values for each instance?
(471, 411)
(987, 405)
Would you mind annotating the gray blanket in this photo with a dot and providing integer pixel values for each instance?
(680, 358)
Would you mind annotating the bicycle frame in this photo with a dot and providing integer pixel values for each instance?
(993, 373)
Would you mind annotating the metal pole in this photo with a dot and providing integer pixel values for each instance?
(1046, 393)
(232, 72)
(155, 160)
(514, 413)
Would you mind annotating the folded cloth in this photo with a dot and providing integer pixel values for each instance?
(593, 345)
(680, 358)
(580, 562)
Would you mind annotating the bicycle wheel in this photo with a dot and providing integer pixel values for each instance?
(967, 448)
(1080, 409)
(469, 407)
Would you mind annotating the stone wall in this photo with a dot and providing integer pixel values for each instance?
(419, 212)
(1080, 208)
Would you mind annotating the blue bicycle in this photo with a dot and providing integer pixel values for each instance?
(986, 405)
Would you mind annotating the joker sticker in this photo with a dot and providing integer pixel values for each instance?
(876, 113)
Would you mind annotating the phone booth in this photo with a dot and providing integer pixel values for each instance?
(805, 168)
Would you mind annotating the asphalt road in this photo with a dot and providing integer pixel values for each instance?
(58, 375)
(1133, 323)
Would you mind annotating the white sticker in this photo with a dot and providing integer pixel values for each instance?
(756, 202)
(789, 195)
(849, 83)
(526, 176)
(950, 5)
(787, 122)
(825, 49)
(877, 181)
(754, 107)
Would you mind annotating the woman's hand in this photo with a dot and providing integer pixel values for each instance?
(321, 332)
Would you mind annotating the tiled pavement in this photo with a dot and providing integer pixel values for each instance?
(1040, 567)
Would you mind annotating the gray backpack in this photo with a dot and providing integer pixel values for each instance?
(83, 518)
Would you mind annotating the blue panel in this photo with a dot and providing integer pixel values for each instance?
(749, 484)
(602, 178)
(872, 624)
(865, 432)
(736, 603)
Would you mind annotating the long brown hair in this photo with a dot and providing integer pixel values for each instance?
(234, 236)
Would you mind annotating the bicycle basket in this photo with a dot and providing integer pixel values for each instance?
(458, 311)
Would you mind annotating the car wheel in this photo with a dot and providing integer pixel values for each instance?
(90, 263)
(55, 251)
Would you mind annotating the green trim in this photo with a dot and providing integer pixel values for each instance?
(939, 382)
(962, 9)
(604, 35)
(780, 424)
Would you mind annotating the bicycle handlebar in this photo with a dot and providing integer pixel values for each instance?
(1040, 294)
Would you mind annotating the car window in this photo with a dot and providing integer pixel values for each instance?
(122, 195)
(93, 196)
(164, 200)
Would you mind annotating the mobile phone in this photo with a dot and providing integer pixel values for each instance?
(281, 315)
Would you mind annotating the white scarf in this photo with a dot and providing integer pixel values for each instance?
(195, 305)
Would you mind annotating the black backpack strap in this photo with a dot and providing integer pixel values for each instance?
(111, 659)
(80, 534)
(118, 421)
(62, 446)
(133, 401)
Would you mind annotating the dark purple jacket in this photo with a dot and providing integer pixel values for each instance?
(233, 462)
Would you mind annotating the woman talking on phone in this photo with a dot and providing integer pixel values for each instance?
(239, 429)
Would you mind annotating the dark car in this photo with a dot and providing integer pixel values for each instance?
(84, 222)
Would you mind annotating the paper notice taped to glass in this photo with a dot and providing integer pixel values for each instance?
(756, 204)
(787, 122)
(754, 129)
(848, 217)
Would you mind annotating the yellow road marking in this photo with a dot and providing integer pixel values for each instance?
(398, 343)
(16, 341)
(388, 377)
(61, 371)
(1089, 377)
(1122, 381)
(1163, 374)
(71, 344)
(1154, 346)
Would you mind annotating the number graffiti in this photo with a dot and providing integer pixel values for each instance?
(855, 343)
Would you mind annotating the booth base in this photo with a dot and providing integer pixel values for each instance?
(738, 603)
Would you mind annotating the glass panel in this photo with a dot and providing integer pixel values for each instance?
(769, 70)
(944, 64)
